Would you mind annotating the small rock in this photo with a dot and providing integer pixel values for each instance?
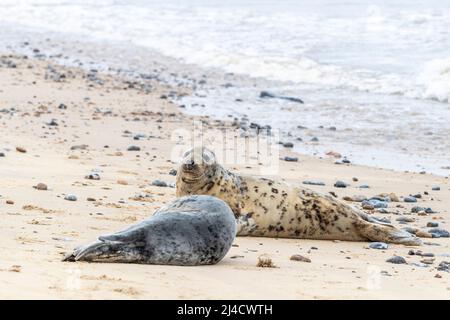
(21, 150)
(159, 183)
(298, 257)
(432, 224)
(315, 139)
(341, 184)
(427, 261)
(439, 233)
(355, 198)
(9, 202)
(436, 188)
(367, 206)
(290, 159)
(2, 155)
(79, 147)
(405, 219)
(429, 210)
(364, 186)
(375, 203)
(41, 186)
(417, 209)
(93, 176)
(288, 145)
(71, 197)
(378, 245)
(396, 260)
(393, 197)
(52, 123)
(173, 172)
(444, 266)
(313, 183)
(410, 199)
(134, 148)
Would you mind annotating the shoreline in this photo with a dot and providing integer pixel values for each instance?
(106, 110)
(367, 128)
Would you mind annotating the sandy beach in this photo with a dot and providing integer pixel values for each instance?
(58, 124)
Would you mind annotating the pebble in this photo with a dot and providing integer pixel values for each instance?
(290, 159)
(41, 186)
(364, 186)
(288, 145)
(410, 199)
(417, 209)
(134, 148)
(70, 197)
(93, 176)
(439, 233)
(367, 206)
(432, 224)
(436, 188)
(159, 183)
(427, 261)
(9, 202)
(21, 150)
(2, 154)
(444, 266)
(396, 260)
(79, 147)
(355, 198)
(420, 265)
(313, 183)
(378, 245)
(375, 203)
(173, 172)
(52, 123)
(429, 210)
(383, 219)
(341, 184)
(405, 219)
(298, 257)
(314, 139)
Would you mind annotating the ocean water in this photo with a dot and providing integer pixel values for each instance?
(378, 71)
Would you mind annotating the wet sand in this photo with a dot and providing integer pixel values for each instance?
(47, 114)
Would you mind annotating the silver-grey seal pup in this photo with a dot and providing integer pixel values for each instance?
(190, 231)
(268, 208)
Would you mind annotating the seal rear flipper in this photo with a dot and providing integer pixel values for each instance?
(132, 234)
(388, 233)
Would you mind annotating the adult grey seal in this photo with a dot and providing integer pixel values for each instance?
(268, 208)
(190, 231)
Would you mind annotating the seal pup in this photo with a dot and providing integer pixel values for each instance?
(190, 231)
(268, 208)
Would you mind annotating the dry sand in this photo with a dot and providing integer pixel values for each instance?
(40, 226)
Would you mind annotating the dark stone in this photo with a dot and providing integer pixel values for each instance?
(341, 184)
(396, 260)
(134, 148)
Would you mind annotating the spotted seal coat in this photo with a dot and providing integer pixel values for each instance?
(192, 230)
(268, 208)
